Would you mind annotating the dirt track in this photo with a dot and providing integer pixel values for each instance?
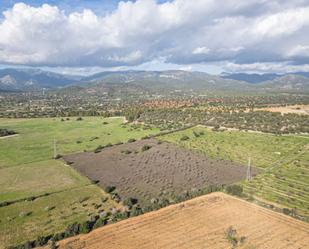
(164, 169)
(198, 224)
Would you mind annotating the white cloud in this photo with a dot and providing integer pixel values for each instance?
(281, 67)
(282, 23)
(243, 32)
(132, 57)
(299, 50)
(201, 50)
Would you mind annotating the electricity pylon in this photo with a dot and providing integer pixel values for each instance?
(55, 148)
(249, 170)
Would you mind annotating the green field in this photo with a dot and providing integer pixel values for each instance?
(27, 170)
(35, 141)
(37, 178)
(28, 220)
(283, 160)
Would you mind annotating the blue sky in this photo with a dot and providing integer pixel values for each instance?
(85, 36)
(98, 6)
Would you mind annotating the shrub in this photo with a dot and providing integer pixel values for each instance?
(52, 244)
(95, 181)
(136, 210)
(6, 132)
(146, 147)
(231, 235)
(196, 134)
(184, 138)
(58, 156)
(79, 119)
(234, 190)
(104, 199)
(81, 200)
(109, 189)
(100, 222)
(59, 236)
(126, 152)
(98, 149)
(116, 197)
(25, 214)
(48, 208)
(31, 198)
(130, 202)
(3, 204)
(85, 227)
(71, 230)
(286, 211)
(216, 128)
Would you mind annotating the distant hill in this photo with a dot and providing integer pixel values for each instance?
(32, 79)
(250, 78)
(259, 78)
(150, 81)
(168, 80)
(287, 83)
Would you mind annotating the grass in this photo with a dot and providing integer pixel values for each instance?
(28, 170)
(283, 160)
(36, 137)
(287, 184)
(265, 150)
(37, 178)
(48, 215)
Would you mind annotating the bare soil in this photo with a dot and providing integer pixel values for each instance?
(297, 109)
(163, 170)
(198, 224)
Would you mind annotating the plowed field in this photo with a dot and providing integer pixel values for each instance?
(162, 170)
(198, 224)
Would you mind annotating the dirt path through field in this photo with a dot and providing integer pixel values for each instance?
(198, 224)
(9, 136)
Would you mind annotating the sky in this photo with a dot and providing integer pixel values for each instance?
(88, 36)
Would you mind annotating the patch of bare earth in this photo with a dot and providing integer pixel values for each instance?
(162, 170)
(198, 224)
(297, 109)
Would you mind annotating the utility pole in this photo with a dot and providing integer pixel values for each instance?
(55, 148)
(249, 170)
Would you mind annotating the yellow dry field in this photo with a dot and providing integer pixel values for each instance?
(199, 223)
(297, 109)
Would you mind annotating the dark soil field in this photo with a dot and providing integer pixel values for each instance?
(162, 170)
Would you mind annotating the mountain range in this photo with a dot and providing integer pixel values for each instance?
(36, 79)
(33, 79)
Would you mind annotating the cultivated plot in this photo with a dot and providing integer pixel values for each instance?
(147, 169)
(211, 221)
(284, 176)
